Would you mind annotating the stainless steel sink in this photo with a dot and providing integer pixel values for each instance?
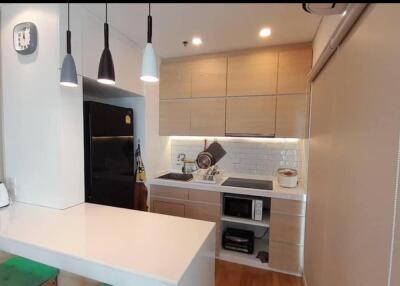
(177, 177)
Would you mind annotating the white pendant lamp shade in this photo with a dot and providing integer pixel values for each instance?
(149, 65)
(68, 75)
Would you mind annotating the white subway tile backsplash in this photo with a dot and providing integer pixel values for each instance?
(245, 157)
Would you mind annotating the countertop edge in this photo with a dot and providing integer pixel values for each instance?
(296, 194)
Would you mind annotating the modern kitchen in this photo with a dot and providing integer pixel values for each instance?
(199, 144)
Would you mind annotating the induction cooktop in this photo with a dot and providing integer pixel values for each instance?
(248, 183)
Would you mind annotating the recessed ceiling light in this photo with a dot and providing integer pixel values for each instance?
(197, 41)
(344, 13)
(265, 32)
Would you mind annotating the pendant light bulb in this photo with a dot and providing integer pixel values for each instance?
(149, 62)
(68, 76)
(106, 74)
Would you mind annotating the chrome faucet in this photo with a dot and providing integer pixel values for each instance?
(185, 169)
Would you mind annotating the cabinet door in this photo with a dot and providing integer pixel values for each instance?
(209, 77)
(207, 117)
(291, 115)
(174, 117)
(175, 80)
(251, 116)
(285, 257)
(252, 73)
(294, 66)
(287, 228)
(168, 208)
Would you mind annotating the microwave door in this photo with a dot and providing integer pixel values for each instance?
(238, 207)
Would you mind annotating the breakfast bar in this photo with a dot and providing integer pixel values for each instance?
(113, 245)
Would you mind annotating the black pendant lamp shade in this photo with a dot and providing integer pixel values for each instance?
(106, 74)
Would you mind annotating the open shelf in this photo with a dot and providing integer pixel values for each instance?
(263, 223)
(246, 259)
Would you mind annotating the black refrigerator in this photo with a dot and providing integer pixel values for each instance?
(109, 155)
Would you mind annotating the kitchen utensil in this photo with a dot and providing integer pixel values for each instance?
(4, 198)
(287, 178)
(210, 156)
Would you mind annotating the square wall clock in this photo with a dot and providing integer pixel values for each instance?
(25, 38)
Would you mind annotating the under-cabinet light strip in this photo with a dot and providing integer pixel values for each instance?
(236, 139)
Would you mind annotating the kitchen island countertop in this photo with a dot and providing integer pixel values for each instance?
(117, 246)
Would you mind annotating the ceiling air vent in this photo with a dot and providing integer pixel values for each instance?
(324, 9)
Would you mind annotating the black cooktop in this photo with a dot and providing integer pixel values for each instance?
(248, 183)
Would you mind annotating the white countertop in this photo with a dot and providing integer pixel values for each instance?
(278, 192)
(108, 244)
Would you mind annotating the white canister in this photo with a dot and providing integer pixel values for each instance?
(287, 178)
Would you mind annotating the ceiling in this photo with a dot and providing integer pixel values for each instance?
(222, 27)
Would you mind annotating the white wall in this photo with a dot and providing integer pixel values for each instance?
(42, 121)
(325, 30)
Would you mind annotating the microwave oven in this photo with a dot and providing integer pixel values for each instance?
(243, 207)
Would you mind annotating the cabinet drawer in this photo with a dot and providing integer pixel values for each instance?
(168, 208)
(287, 228)
(289, 207)
(285, 257)
(205, 196)
(169, 192)
(202, 212)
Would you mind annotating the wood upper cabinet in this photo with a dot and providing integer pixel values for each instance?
(251, 116)
(207, 116)
(175, 79)
(294, 66)
(174, 117)
(209, 76)
(291, 115)
(252, 73)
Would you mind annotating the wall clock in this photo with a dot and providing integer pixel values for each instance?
(25, 38)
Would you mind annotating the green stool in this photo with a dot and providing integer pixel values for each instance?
(18, 271)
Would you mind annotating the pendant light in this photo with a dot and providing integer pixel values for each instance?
(149, 63)
(68, 70)
(106, 73)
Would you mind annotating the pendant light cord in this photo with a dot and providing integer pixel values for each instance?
(68, 16)
(68, 36)
(106, 12)
(149, 26)
(106, 45)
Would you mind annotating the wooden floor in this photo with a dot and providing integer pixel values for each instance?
(229, 274)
